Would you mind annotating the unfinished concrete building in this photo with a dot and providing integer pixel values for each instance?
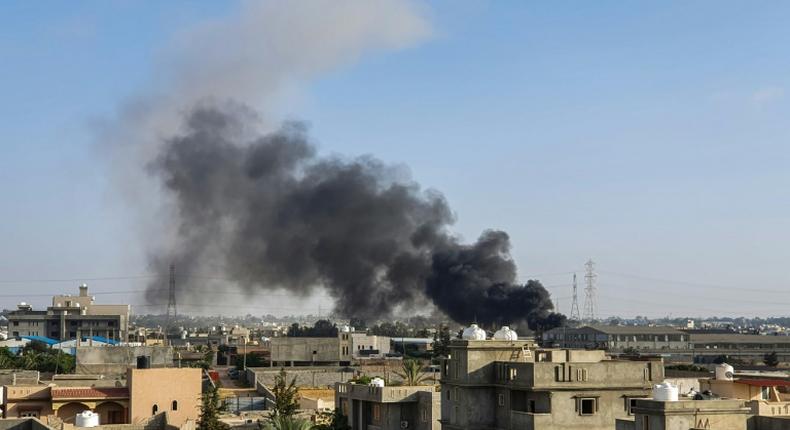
(389, 408)
(508, 384)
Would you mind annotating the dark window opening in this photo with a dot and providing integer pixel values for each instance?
(154, 409)
(175, 405)
(587, 406)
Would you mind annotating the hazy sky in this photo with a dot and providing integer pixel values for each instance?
(650, 137)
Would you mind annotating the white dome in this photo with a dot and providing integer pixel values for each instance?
(377, 382)
(345, 329)
(473, 332)
(505, 333)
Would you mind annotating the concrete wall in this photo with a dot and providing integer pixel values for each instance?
(114, 360)
(285, 350)
(161, 387)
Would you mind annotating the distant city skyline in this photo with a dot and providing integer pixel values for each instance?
(651, 138)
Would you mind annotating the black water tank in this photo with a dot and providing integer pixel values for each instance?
(143, 362)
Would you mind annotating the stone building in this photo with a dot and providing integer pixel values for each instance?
(506, 383)
(389, 408)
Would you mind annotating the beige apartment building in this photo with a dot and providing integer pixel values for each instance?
(71, 317)
(369, 407)
(509, 385)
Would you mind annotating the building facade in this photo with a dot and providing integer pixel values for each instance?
(389, 408)
(341, 349)
(618, 338)
(498, 384)
(71, 317)
(147, 392)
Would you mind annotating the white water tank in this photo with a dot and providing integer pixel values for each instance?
(377, 382)
(86, 419)
(505, 333)
(724, 372)
(665, 392)
(473, 332)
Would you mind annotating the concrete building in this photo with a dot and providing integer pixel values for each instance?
(148, 392)
(347, 345)
(364, 345)
(369, 407)
(674, 344)
(71, 317)
(509, 384)
(618, 338)
(718, 414)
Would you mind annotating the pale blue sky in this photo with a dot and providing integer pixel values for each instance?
(652, 137)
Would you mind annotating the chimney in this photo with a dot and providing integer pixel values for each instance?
(84, 290)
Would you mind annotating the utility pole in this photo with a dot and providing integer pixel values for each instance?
(589, 292)
(171, 300)
(575, 306)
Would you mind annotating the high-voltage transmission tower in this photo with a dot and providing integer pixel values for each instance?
(171, 300)
(589, 291)
(575, 306)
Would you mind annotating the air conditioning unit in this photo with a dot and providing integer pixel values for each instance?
(404, 424)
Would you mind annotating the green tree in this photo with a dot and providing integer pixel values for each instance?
(8, 360)
(441, 342)
(771, 359)
(286, 396)
(290, 423)
(209, 412)
(411, 372)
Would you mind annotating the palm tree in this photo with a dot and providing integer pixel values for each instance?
(290, 423)
(411, 372)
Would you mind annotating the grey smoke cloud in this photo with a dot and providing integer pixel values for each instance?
(275, 215)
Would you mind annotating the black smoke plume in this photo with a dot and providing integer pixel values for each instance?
(272, 214)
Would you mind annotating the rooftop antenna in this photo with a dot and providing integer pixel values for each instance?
(575, 305)
(171, 300)
(589, 292)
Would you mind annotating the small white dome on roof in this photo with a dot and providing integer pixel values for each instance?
(473, 332)
(505, 333)
(345, 329)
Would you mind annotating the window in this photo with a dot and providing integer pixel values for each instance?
(25, 414)
(154, 409)
(376, 412)
(630, 403)
(425, 415)
(513, 373)
(111, 323)
(531, 406)
(501, 400)
(174, 406)
(16, 323)
(765, 393)
(448, 394)
(587, 406)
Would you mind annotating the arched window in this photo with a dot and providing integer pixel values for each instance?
(154, 409)
(175, 405)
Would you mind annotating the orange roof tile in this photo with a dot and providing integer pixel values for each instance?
(88, 392)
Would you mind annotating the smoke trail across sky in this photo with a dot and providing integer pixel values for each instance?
(218, 183)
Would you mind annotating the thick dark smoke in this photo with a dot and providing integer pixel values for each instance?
(272, 214)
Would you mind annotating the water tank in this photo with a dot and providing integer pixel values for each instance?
(473, 332)
(86, 419)
(505, 333)
(665, 392)
(377, 382)
(143, 362)
(724, 372)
